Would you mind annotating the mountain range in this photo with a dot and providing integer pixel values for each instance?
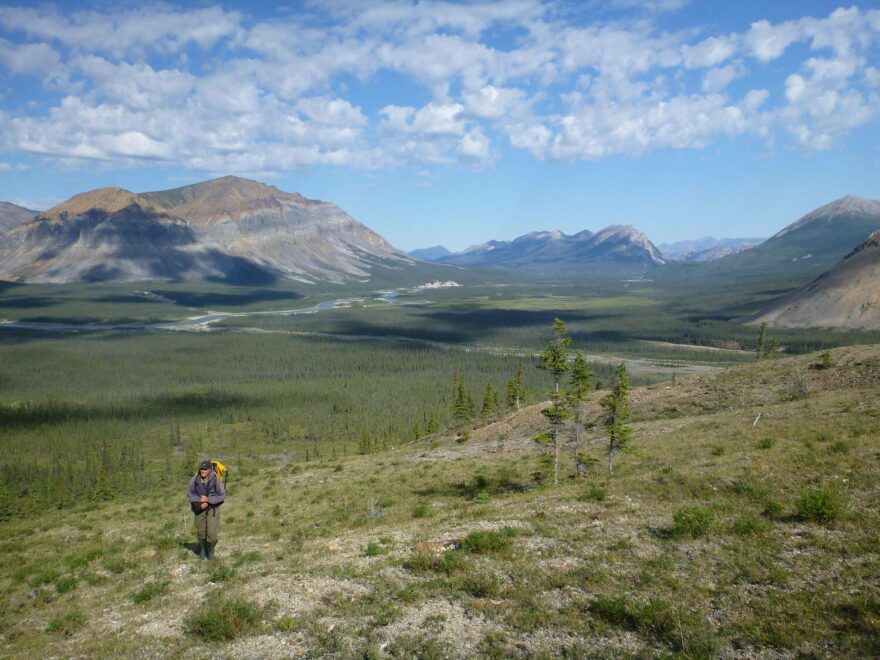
(707, 248)
(240, 231)
(620, 249)
(228, 229)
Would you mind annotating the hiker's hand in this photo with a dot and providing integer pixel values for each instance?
(204, 505)
(204, 499)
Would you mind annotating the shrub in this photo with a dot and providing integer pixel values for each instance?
(772, 509)
(286, 624)
(372, 550)
(594, 493)
(480, 584)
(613, 610)
(67, 623)
(480, 543)
(681, 629)
(149, 591)
(451, 562)
(420, 510)
(220, 571)
(84, 557)
(821, 505)
(765, 443)
(717, 450)
(45, 576)
(692, 521)
(222, 619)
(839, 447)
(65, 584)
(749, 525)
(116, 564)
(419, 562)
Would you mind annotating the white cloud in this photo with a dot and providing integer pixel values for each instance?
(213, 89)
(28, 59)
(491, 102)
(594, 131)
(766, 41)
(531, 137)
(475, 145)
(709, 52)
(719, 78)
(654, 6)
(159, 28)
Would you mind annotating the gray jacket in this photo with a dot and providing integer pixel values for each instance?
(212, 487)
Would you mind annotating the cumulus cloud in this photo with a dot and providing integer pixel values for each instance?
(119, 32)
(220, 90)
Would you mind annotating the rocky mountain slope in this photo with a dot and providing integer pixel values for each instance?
(807, 247)
(617, 249)
(847, 296)
(229, 229)
(284, 232)
(106, 234)
(12, 215)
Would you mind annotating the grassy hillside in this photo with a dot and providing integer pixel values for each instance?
(742, 522)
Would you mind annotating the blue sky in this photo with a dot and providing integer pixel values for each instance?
(455, 123)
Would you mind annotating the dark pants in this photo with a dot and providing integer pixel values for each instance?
(207, 523)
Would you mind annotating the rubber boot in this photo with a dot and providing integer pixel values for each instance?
(209, 550)
(203, 551)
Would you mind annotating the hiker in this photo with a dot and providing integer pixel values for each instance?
(206, 494)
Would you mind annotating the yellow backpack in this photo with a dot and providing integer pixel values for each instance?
(219, 469)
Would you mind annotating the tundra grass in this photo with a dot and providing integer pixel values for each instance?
(330, 558)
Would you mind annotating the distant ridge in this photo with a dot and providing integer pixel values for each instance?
(12, 215)
(435, 253)
(707, 248)
(615, 250)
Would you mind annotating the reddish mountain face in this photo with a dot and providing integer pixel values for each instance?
(229, 229)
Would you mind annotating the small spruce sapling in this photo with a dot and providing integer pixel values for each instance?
(554, 359)
(490, 401)
(616, 419)
(516, 391)
(762, 337)
(580, 385)
(462, 405)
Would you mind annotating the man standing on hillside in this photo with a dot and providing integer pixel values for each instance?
(206, 494)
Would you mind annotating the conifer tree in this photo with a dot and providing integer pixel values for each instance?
(433, 424)
(554, 359)
(510, 395)
(462, 405)
(616, 420)
(489, 401)
(515, 389)
(762, 335)
(580, 385)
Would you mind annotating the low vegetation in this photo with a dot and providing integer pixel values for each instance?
(463, 549)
